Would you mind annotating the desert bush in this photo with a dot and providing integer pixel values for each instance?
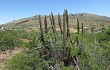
(21, 61)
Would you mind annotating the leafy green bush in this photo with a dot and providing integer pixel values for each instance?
(10, 39)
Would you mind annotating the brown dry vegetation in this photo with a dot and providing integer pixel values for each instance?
(72, 30)
(33, 22)
(25, 40)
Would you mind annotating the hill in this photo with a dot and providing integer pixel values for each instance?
(89, 21)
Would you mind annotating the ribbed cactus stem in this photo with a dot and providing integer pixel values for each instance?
(77, 25)
(45, 24)
(53, 21)
(78, 32)
(64, 30)
(53, 26)
(59, 21)
(67, 22)
(82, 29)
(41, 29)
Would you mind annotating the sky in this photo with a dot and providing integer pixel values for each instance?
(16, 9)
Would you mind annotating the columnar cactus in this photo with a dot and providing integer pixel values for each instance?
(67, 22)
(45, 24)
(64, 30)
(54, 27)
(77, 32)
(41, 29)
(82, 27)
(59, 21)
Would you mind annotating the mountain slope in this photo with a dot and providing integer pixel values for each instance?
(33, 22)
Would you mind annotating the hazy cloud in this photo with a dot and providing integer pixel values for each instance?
(5, 17)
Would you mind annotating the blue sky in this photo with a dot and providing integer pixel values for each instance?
(17, 9)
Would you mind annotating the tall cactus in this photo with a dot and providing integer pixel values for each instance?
(53, 21)
(59, 21)
(64, 30)
(41, 30)
(77, 25)
(67, 22)
(68, 31)
(82, 27)
(53, 26)
(45, 24)
(77, 31)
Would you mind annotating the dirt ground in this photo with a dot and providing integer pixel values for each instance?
(25, 40)
(7, 55)
(72, 30)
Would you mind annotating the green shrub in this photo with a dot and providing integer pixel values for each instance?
(20, 61)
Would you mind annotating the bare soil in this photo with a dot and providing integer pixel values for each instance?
(25, 40)
(8, 54)
(72, 30)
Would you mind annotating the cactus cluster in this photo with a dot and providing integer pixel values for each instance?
(61, 52)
